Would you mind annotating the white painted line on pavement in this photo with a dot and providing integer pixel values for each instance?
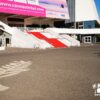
(13, 68)
(3, 88)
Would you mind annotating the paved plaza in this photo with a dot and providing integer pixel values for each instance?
(52, 74)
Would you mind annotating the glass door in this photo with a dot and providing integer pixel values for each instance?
(87, 39)
(2, 43)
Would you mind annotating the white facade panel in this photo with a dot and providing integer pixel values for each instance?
(85, 10)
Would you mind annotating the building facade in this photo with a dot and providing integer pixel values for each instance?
(32, 14)
(83, 14)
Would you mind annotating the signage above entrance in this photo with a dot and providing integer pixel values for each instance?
(21, 8)
(37, 8)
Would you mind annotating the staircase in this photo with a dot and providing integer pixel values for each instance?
(36, 39)
(64, 38)
(53, 41)
(18, 38)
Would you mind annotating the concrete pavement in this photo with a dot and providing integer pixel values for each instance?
(55, 74)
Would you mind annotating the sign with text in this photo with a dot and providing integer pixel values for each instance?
(38, 8)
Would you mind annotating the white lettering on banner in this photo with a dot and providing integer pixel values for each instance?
(20, 6)
(21, 1)
(5, 4)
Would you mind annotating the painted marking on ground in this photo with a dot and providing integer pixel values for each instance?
(3, 88)
(13, 68)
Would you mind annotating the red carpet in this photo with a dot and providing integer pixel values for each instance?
(54, 42)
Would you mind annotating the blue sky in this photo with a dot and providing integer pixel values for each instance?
(98, 6)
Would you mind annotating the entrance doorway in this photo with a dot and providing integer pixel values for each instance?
(8, 42)
(1, 42)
